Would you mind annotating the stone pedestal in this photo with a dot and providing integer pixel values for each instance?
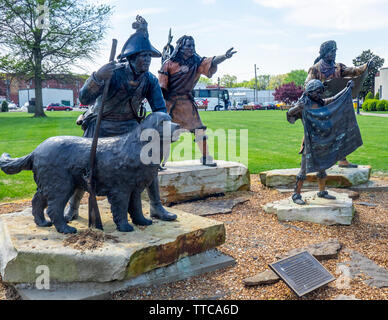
(336, 177)
(24, 247)
(317, 210)
(190, 180)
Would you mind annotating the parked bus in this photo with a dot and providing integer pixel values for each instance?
(212, 99)
(206, 99)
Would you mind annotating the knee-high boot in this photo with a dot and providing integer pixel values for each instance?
(71, 212)
(156, 208)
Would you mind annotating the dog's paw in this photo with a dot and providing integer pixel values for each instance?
(66, 229)
(43, 223)
(124, 227)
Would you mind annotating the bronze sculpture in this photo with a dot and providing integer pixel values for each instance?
(131, 82)
(330, 133)
(60, 164)
(329, 72)
(177, 78)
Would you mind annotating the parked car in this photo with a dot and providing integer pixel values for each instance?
(253, 106)
(12, 106)
(269, 105)
(58, 107)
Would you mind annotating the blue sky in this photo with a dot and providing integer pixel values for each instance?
(276, 35)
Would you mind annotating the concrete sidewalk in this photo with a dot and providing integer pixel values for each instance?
(384, 115)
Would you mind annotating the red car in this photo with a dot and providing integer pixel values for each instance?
(58, 107)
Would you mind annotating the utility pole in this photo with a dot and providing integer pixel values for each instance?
(255, 90)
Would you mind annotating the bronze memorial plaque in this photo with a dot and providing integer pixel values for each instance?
(302, 273)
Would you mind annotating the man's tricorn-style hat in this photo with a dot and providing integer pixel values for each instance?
(138, 42)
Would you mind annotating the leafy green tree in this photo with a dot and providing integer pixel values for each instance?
(296, 76)
(39, 37)
(369, 83)
(228, 81)
(377, 96)
(276, 81)
(263, 81)
(204, 80)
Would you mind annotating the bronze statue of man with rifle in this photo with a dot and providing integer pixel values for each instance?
(127, 84)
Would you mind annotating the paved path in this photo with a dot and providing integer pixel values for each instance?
(384, 115)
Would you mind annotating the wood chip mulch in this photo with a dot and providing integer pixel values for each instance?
(254, 239)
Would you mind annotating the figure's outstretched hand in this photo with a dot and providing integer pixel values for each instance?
(230, 53)
(350, 84)
(106, 71)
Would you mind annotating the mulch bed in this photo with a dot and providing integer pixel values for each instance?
(254, 239)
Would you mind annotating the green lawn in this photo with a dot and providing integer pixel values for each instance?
(272, 141)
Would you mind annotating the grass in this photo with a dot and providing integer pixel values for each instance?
(273, 143)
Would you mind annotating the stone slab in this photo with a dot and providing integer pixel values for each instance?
(195, 265)
(321, 251)
(24, 247)
(317, 210)
(359, 264)
(336, 177)
(189, 180)
(265, 277)
(210, 207)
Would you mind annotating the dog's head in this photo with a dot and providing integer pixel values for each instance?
(161, 122)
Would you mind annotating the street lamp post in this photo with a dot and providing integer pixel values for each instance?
(255, 90)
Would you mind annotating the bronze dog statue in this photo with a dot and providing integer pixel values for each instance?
(61, 163)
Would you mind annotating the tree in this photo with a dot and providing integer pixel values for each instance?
(369, 83)
(48, 37)
(377, 96)
(228, 81)
(204, 80)
(296, 76)
(263, 81)
(276, 81)
(288, 92)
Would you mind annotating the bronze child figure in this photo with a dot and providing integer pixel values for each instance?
(330, 133)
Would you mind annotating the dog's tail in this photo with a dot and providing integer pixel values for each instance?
(12, 166)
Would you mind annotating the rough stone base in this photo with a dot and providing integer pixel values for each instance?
(317, 210)
(336, 177)
(187, 267)
(190, 180)
(24, 247)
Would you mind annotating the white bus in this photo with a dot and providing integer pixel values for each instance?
(212, 99)
(206, 99)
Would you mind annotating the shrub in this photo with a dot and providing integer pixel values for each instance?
(377, 96)
(386, 105)
(372, 104)
(369, 96)
(4, 106)
(380, 105)
(365, 105)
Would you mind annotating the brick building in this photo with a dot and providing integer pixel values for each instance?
(10, 85)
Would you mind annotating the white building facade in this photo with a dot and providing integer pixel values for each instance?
(381, 83)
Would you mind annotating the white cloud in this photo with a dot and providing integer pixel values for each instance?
(344, 15)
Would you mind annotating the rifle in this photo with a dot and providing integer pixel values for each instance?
(94, 213)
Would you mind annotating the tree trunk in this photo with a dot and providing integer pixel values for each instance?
(38, 78)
